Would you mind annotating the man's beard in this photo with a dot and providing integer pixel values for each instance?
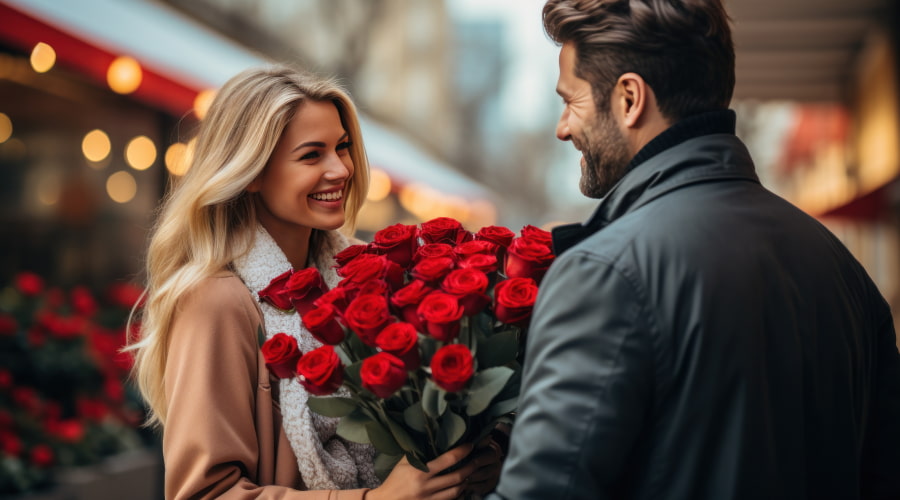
(606, 156)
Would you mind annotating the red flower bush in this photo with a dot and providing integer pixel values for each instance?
(423, 331)
(63, 390)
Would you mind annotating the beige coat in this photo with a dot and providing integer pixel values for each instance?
(223, 436)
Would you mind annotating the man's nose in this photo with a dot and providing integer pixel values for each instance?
(562, 128)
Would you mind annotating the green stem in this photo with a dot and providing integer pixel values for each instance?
(428, 429)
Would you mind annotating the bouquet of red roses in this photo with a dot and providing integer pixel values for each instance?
(425, 330)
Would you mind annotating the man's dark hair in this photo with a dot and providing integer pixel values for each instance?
(681, 48)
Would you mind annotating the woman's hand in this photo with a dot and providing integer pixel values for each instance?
(406, 482)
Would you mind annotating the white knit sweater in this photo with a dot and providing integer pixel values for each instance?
(326, 461)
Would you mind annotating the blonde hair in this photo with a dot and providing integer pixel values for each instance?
(209, 219)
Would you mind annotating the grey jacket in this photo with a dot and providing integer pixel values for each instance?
(701, 338)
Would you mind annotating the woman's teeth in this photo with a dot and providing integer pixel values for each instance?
(332, 196)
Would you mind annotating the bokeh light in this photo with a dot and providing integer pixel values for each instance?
(43, 57)
(379, 185)
(140, 153)
(6, 128)
(121, 187)
(124, 75)
(202, 102)
(96, 145)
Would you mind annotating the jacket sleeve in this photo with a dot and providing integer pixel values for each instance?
(881, 460)
(587, 381)
(210, 446)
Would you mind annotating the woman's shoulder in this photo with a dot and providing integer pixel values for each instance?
(221, 291)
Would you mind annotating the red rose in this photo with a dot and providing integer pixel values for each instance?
(8, 325)
(41, 456)
(398, 243)
(274, 293)
(304, 287)
(124, 295)
(383, 374)
(528, 258)
(6, 420)
(441, 313)
(68, 431)
(92, 409)
(320, 371)
(6, 379)
(482, 262)
(83, 302)
(495, 234)
(530, 232)
(322, 324)
(29, 284)
(367, 267)
(374, 287)
(10, 444)
(434, 250)
(407, 299)
(452, 367)
(346, 255)
(367, 315)
(469, 248)
(444, 230)
(281, 353)
(401, 340)
(338, 297)
(514, 299)
(113, 389)
(470, 286)
(433, 269)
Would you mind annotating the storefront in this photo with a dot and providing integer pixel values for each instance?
(98, 102)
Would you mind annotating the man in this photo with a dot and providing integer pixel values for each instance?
(698, 337)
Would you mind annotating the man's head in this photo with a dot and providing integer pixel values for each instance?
(641, 65)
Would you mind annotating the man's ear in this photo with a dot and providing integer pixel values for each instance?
(633, 95)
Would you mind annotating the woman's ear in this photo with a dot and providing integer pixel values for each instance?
(255, 185)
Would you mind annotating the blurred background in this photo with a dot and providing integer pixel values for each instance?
(99, 101)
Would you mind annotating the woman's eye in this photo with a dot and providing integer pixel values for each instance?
(343, 146)
(310, 156)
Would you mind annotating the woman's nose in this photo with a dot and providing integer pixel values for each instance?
(338, 167)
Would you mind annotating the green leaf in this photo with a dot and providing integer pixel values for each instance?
(345, 358)
(432, 396)
(332, 406)
(416, 462)
(357, 347)
(453, 427)
(382, 439)
(498, 349)
(402, 437)
(503, 407)
(352, 373)
(414, 416)
(442, 401)
(260, 336)
(353, 427)
(485, 385)
(384, 464)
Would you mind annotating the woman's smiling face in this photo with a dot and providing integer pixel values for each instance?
(304, 183)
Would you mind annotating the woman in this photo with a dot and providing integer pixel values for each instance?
(279, 165)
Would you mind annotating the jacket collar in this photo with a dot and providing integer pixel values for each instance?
(699, 148)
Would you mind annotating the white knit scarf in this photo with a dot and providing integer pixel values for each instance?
(326, 461)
